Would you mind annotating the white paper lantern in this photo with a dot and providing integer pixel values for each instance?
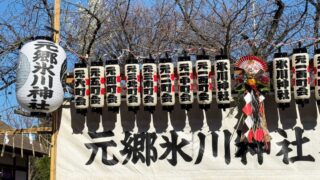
(97, 86)
(316, 65)
(40, 70)
(132, 73)
(204, 77)
(281, 78)
(166, 75)
(113, 84)
(301, 75)
(185, 81)
(150, 82)
(222, 80)
(81, 86)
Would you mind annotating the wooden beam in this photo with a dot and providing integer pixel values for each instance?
(56, 21)
(69, 80)
(53, 150)
(28, 130)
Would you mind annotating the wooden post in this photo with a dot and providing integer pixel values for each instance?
(55, 119)
(56, 21)
(53, 150)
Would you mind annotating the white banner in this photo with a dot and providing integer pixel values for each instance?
(101, 147)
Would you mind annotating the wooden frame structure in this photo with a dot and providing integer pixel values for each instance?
(55, 119)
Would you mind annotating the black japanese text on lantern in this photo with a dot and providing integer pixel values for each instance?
(97, 86)
(80, 87)
(318, 70)
(166, 83)
(301, 76)
(222, 81)
(113, 90)
(149, 85)
(317, 76)
(282, 79)
(204, 81)
(132, 84)
(185, 82)
(45, 58)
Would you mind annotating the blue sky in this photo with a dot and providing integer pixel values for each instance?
(3, 5)
(7, 96)
(10, 92)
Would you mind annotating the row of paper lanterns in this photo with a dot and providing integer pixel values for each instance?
(299, 66)
(42, 65)
(283, 66)
(98, 85)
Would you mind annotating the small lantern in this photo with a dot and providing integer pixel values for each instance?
(301, 75)
(132, 73)
(113, 86)
(150, 87)
(40, 71)
(281, 79)
(81, 87)
(222, 81)
(316, 65)
(166, 75)
(204, 77)
(97, 86)
(185, 81)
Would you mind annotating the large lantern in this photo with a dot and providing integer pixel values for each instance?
(113, 86)
(81, 87)
(281, 79)
(150, 87)
(185, 81)
(167, 91)
(39, 74)
(222, 81)
(301, 75)
(204, 75)
(97, 86)
(316, 65)
(132, 73)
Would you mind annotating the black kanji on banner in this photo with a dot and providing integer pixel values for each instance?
(139, 147)
(104, 148)
(174, 148)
